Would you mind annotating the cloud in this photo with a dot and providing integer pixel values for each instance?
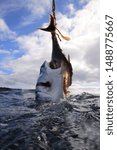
(71, 8)
(92, 56)
(84, 47)
(31, 9)
(4, 52)
(6, 7)
(5, 32)
(82, 26)
(26, 68)
(36, 9)
(34, 6)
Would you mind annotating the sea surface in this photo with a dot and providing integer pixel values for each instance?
(71, 124)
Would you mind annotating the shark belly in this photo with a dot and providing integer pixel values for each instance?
(49, 85)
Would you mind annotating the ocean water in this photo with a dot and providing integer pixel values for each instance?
(72, 124)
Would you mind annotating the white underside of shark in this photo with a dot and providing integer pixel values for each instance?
(49, 84)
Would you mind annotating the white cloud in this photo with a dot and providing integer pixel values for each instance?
(4, 52)
(3, 26)
(6, 6)
(35, 9)
(5, 32)
(83, 48)
(34, 6)
(26, 68)
(71, 8)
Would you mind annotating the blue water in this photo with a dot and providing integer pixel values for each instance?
(67, 125)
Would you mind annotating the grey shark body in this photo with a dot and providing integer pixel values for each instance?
(58, 59)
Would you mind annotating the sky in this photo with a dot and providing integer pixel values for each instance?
(23, 48)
